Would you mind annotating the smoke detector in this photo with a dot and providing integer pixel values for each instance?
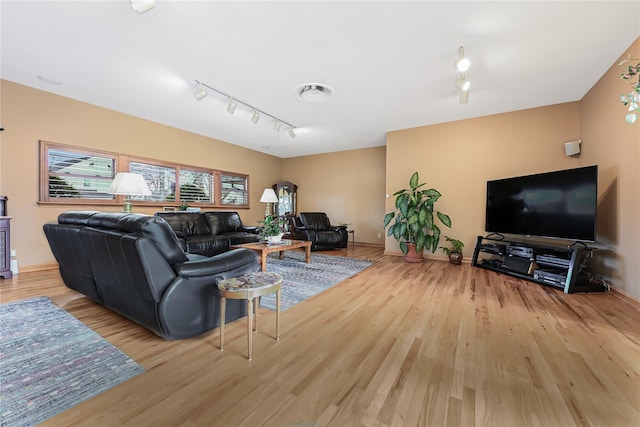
(313, 92)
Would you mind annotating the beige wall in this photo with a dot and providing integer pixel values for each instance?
(348, 186)
(614, 145)
(459, 158)
(29, 115)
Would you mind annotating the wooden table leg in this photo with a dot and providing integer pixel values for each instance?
(249, 326)
(278, 315)
(263, 260)
(307, 254)
(223, 307)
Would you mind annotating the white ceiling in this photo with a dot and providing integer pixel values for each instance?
(390, 62)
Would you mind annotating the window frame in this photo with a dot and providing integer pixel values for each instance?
(122, 163)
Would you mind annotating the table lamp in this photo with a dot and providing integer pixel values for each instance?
(268, 197)
(129, 184)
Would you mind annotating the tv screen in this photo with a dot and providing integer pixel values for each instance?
(559, 204)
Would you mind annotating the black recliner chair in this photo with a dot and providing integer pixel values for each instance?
(316, 228)
(134, 265)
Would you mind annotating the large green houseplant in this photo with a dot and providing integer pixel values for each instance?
(415, 224)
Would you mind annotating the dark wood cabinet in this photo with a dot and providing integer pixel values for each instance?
(5, 247)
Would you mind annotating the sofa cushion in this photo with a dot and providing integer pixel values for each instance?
(152, 227)
(223, 222)
(207, 244)
(317, 220)
(186, 223)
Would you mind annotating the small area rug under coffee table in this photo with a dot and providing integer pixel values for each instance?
(302, 281)
(50, 361)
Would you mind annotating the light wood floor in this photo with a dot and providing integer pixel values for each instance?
(399, 344)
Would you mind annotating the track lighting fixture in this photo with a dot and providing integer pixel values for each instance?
(200, 94)
(461, 64)
(231, 108)
(203, 89)
(462, 84)
(142, 6)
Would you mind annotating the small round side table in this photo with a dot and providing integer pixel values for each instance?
(251, 287)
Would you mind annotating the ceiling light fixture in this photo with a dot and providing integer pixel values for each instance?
(464, 97)
(200, 93)
(234, 102)
(143, 6)
(231, 108)
(462, 64)
(462, 83)
(255, 117)
(292, 134)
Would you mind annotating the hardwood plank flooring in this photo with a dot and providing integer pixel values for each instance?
(399, 344)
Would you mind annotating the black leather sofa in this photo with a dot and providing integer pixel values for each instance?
(316, 228)
(209, 233)
(134, 265)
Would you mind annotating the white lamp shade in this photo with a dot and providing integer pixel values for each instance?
(269, 196)
(129, 184)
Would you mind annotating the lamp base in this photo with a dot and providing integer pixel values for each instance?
(128, 207)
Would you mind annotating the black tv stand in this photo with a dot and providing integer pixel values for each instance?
(563, 267)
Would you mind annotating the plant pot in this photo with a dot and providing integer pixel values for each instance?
(455, 258)
(275, 239)
(412, 255)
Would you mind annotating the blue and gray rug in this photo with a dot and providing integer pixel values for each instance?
(50, 361)
(302, 281)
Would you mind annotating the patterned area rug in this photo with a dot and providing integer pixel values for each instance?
(302, 280)
(50, 361)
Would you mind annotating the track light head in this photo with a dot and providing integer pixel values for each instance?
(464, 97)
(231, 108)
(461, 64)
(142, 6)
(276, 125)
(255, 117)
(292, 134)
(462, 84)
(200, 94)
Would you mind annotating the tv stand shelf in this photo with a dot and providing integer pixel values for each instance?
(561, 267)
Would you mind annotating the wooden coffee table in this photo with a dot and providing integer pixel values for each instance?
(263, 249)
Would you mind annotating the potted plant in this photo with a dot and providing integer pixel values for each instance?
(454, 250)
(415, 227)
(271, 229)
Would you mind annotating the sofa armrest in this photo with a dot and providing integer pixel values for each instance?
(337, 227)
(253, 229)
(216, 264)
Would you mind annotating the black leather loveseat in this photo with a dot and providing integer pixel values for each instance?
(316, 228)
(134, 265)
(209, 233)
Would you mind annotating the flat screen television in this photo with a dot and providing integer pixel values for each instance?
(560, 204)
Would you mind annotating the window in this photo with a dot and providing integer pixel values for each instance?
(71, 175)
(76, 174)
(234, 190)
(196, 186)
(160, 179)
